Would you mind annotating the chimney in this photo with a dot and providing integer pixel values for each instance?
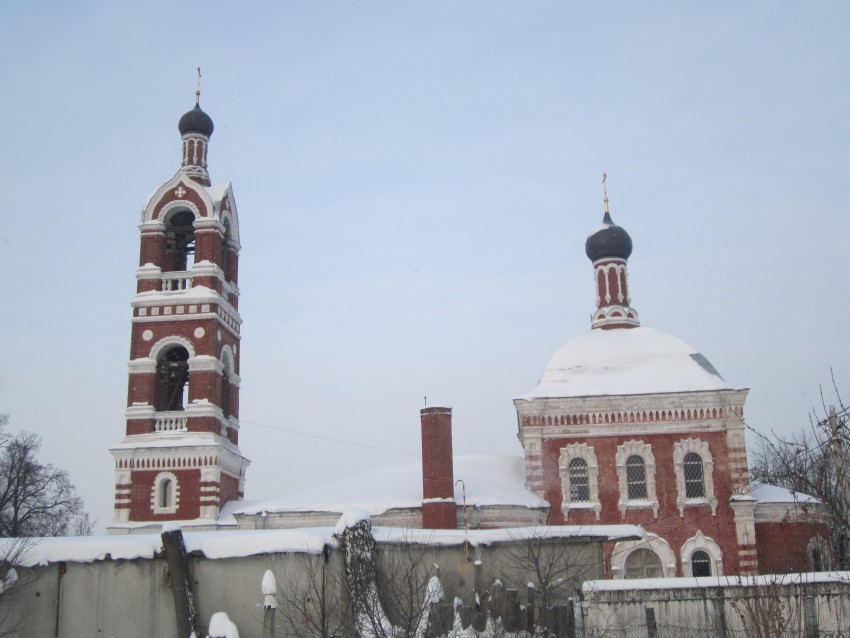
(438, 503)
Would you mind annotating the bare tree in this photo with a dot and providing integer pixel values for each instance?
(36, 499)
(408, 579)
(14, 606)
(814, 461)
(313, 602)
(553, 569)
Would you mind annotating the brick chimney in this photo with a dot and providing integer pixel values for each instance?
(439, 510)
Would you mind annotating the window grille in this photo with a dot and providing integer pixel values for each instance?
(694, 481)
(636, 477)
(700, 564)
(643, 563)
(579, 485)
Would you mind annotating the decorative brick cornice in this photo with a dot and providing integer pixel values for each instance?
(714, 410)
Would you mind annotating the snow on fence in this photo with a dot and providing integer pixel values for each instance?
(429, 583)
(414, 583)
(769, 606)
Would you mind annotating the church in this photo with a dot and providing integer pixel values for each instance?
(626, 424)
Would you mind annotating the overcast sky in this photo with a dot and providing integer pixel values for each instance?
(415, 182)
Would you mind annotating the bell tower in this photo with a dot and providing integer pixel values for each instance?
(180, 458)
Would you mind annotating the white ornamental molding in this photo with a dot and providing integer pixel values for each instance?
(700, 542)
(654, 543)
(644, 451)
(585, 452)
(680, 450)
(167, 342)
(165, 493)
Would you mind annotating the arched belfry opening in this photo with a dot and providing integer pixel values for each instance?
(172, 389)
(226, 388)
(225, 250)
(180, 241)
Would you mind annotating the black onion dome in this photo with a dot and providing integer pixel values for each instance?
(196, 121)
(609, 240)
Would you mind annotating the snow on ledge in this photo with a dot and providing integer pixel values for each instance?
(239, 544)
(350, 518)
(482, 537)
(626, 584)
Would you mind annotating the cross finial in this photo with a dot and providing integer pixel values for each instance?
(605, 189)
(198, 90)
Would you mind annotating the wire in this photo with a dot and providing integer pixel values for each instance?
(326, 438)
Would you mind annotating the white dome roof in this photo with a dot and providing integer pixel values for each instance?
(626, 361)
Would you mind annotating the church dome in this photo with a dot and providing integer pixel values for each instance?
(626, 361)
(608, 240)
(196, 121)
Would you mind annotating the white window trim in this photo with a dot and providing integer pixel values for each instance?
(652, 542)
(700, 542)
(579, 451)
(175, 493)
(680, 450)
(643, 450)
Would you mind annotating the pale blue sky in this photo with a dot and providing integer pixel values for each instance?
(415, 183)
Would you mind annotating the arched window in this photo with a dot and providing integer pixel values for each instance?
(172, 370)
(165, 494)
(643, 563)
(180, 241)
(694, 469)
(636, 477)
(579, 486)
(579, 471)
(694, 480)
(166, 491)
(700, 564)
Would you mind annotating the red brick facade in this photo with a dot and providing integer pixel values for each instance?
(180, 459)
(629, 425)
(439, 510)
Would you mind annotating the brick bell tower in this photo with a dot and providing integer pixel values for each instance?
(180, 458)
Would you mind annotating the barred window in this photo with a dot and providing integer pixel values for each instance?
(694, 480)
(643, 563)
(700, 564)
(636, 477)
(579, 486)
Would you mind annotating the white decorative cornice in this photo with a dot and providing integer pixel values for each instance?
(142, 366)
(139, 411)
(205, 363)
(188, 450)
(148, 271)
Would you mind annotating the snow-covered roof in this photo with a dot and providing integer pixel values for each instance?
(217, 191)
(229, 544)
(239, 544)
(476, 537)
(765, 493)
(626, 361)
(489, 480)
